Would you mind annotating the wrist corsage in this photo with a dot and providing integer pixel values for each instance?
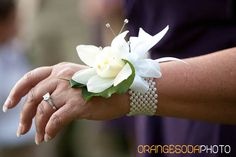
(120, 67)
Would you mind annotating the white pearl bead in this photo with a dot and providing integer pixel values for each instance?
(144, 104)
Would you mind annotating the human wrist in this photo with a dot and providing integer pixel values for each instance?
(120, 67)
(116, 106)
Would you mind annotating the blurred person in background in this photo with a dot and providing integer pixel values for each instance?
(13, 64)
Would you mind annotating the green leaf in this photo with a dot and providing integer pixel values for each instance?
(74, 84)
(124, 85)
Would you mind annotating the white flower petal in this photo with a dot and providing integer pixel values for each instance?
(120, 44)
(84, 75)
(134, 42)
(119, 40)
(132, 58)
(87, 53)
(148, 68)
(123, 74)
(143, 35)
(145, 42)
(97, 84)
(168, 59)
(139, 85)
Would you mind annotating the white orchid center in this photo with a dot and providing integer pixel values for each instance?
(108, 63)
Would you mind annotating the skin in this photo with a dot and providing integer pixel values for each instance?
(205, 89)
(197, 90)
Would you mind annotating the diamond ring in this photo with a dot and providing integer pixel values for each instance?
(47, 97)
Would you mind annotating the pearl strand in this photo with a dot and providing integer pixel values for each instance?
(144, 104)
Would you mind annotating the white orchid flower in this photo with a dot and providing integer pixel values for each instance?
(107, 67)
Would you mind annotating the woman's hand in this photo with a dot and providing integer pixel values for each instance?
(69, 102)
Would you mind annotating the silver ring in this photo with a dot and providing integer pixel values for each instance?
(47, 97)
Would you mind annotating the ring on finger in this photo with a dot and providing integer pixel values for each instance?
(47, 97)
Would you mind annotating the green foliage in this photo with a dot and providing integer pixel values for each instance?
(74, 84)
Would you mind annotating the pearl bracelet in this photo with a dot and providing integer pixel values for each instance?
(144, 104)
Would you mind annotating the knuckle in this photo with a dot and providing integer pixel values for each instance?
(57, 82)
(31, 96)
(56, 121)
(67, 71)
(62, 63)
(28, 76)
(40, 111)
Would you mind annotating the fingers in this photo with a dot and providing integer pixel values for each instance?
(34, 97)
(59, 119)
(24, 85)
(44, 112)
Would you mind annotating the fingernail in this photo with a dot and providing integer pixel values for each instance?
(47, 138)
(4, 108)
(6, 104)
(37, 140)
(19, 130)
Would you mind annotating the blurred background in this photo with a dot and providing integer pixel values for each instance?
(46, 32)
